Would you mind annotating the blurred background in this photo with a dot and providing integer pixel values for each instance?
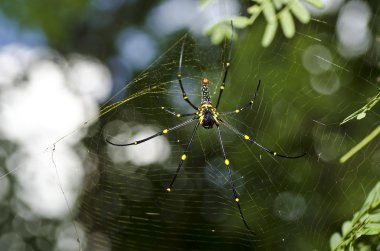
(73, 73)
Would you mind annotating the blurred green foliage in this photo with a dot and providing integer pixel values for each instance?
(366, 222)
(274, 11)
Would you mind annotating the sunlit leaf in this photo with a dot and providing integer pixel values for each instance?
(217, 33)
(361, 116)
(270, 31)
(346, 227)
(269, 11)
(278, 4)
(254, 9)
(358, 113)
(365, 222)
(373, 198)
(335, 240)
(287, 23)
(372, 228)
(316, 3)
(299, 11)
(240, 22)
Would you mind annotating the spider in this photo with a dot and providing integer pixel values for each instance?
(207, 116)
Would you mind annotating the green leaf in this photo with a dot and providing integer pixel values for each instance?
(278, 4)
(269, 11)
(217, 34)
(346, 227)
(361, 116)
(316, 3)
(372, 229)
(287, 23)
(300, 12)
(240, 21)
(270, 31)
(374, 217)
(255, 11)
(373, 198)
(365, 222)
(364, 109)
(335, 240)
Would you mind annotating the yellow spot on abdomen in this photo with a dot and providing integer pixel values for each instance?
(227, 162)
(183, 157)
(246, 137)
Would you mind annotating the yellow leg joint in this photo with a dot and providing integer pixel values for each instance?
(246, 137)
(183, 157)
(165, 131)
(237, 199)
(227, 162)
(168, 189)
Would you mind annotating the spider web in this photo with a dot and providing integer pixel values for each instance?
(293, 204)
(290, 204)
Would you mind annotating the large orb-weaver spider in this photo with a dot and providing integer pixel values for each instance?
(207, 116)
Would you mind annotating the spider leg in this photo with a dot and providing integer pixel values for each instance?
(165, 131)
(227, 163)
(178, 114)
(226, 67)
(183, 158)
(246, 137)
(179, 77)
(250, 103)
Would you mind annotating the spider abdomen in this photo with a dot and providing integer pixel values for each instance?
(208, 118)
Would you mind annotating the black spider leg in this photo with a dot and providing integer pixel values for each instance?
(226, 67)
(183, 158)
(179, 77)
(250, 103)
(246, 137)
(165, 131)
(179, 115)
(227, 163)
